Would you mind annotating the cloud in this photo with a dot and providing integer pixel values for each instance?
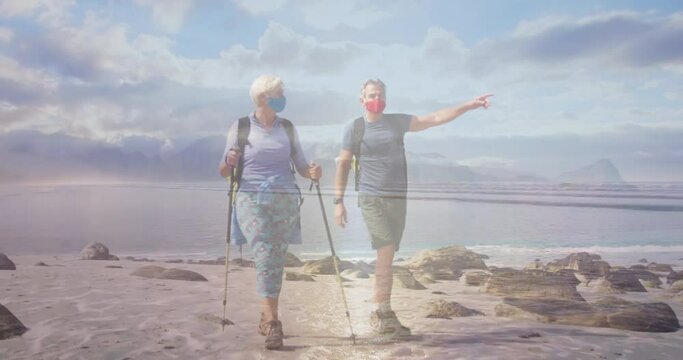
(626, 39)
(327, 15)
(282, 48)
(6, 34)
(260, 7)
(169, 15)
(47, 12)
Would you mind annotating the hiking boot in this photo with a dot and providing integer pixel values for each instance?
(387, 324)
(262, 329)
(274, 335)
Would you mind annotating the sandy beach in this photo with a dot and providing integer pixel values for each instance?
(86, 309)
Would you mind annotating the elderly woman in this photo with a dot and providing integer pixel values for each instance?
(268, 200)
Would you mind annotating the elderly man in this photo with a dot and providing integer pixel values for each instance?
(376, 140)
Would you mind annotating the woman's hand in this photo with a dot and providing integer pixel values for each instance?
(315, 172)
(232, 158)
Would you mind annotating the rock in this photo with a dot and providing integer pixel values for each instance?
(40, 263)
(292, 261)
(325, 266)
(609, 312)
(637, 267)
(10, 326)
(404, 278)
(114, 267)
(362, 265)
(648, 277)
(532, 284)
(355, 274)
(6, 263)
(634, 316)
(483, 256)
(476, 277)
(659, 267)
(96, 251)
(622, 280)
(674, 276)
(174, 261)
(180, 274)
(536, 265)
(676, 287)
(439, 293)
(426, 278)
(238, 262)
(129, 258)
(643, 261)
(292, 276)
(150, 271)
(452, 260)
(589, 266)
(443, 309)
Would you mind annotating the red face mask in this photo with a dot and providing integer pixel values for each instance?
(375, 105)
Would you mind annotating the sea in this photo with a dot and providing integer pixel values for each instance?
(512, 223)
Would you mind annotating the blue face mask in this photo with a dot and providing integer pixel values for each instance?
(277, 104)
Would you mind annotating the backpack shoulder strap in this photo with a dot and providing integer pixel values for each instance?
(357, 137)
(243, 128)
(289, 129)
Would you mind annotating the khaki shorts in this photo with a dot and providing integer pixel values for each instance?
(385, 218)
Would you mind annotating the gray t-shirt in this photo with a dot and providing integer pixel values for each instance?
(382, 156)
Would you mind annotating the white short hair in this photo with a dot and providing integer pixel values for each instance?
(377, 82)
(264, 84)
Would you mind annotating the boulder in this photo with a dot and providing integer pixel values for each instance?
(643, 261)
(532, 284)
(648, 277)
(608, 312)
(238, 262)
(676, 287)
(443, 309)
(325, 266)
(292, 261)
(6, 263)
(637, 267)
(150, 271)
(588, 266)
(10, 326)
(559, 311)
(96, 251)
(452, 260)
(659, 267)
(293, 276)
(674, 276)
(158, 272)
(404, 278)
(622, 280)
(180, 274)
(634, 316)
(476, 277)
(362, 265)
(40, 263)
(355, 274)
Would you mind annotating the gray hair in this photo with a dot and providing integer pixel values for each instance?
(264, 84)
(376, 82)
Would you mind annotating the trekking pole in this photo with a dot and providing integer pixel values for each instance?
(231, 192)
(334, 255)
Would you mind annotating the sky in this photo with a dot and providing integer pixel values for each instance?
(177, 69)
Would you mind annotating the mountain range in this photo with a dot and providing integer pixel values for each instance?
(35, 156)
